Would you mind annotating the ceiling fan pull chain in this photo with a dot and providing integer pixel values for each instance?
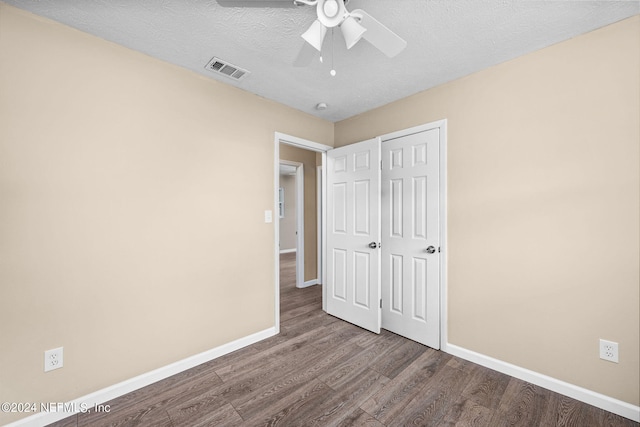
(333, 70)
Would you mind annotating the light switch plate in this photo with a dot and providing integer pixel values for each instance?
(268, 216)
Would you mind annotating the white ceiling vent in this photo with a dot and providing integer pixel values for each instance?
(219, 66)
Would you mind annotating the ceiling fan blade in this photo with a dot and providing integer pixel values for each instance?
(306, 54)
(378, 35)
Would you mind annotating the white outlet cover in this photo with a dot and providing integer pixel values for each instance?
(53, 359)
(609, 350)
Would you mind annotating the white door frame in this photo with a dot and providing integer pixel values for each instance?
(306, 145)
(442, 126)
(319, 220)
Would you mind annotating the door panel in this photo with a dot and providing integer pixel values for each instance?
(339, 277)
(395, 194)
(419, 207)
(362, 203)
(353, 268)
(395, 282)
(361, 262)
(410, 224)
(339, 208)
(419, 289)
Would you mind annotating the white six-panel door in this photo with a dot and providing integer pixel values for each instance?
(383, 235)
(353, 234)
(411, 237)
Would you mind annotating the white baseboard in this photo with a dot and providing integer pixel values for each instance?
(288, 251)
(308, 283)
(601, 401)
(135, 383)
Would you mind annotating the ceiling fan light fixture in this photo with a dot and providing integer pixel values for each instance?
(315, 35)
(352, 31)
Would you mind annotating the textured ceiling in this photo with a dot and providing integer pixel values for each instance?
(447, 39)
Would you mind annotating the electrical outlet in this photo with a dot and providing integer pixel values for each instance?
(53, 359)
(609, 350)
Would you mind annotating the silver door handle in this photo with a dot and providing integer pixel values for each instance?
(373, 245)
(431, 250)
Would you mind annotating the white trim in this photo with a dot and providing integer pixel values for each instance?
(276, 231)
(319, 218)
(444, 238)
(309, 283)
(601, 401)
(300, 142)
(300, 225)
(135, 383)
(287, 251)
(416, 129)
(323, 267)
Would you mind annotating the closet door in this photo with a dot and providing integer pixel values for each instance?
(410, 237)
(353, 234)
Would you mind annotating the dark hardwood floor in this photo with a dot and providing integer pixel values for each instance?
(320, 371)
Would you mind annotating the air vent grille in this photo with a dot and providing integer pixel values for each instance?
(219, 66)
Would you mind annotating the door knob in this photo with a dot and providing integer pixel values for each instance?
(373, 245)
(431, 250)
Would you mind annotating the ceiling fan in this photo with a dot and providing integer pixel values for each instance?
(354, 25)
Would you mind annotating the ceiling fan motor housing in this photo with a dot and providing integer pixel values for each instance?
(331, 12)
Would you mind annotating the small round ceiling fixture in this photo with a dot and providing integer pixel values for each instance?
(321, 106)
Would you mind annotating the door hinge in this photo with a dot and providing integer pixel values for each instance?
(438, 249)
(380, 164)
(380, 303)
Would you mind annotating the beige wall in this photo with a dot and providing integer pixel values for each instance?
(121, 236)
(288, 223)
(308, 158)
(543, 205)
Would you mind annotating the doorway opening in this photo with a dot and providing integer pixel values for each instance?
(298, 160)
(291, 217)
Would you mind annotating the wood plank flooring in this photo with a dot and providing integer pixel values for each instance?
(321, 371)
